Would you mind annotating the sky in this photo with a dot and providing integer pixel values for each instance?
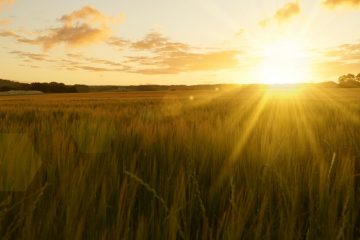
(132, 42)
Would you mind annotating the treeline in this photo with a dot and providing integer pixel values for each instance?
(52, 87)
(345, 81)
(145, 88)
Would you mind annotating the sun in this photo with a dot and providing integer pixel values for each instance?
(283, 62)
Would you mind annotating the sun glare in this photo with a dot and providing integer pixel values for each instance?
(283, 63)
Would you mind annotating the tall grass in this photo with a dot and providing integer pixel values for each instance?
(244, 164)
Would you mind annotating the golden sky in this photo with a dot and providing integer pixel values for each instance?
(179, 42)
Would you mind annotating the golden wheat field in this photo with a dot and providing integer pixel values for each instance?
(242, 163)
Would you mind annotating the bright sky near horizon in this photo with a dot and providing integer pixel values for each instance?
(179, 41)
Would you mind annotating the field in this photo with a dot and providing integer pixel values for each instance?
(242, 163)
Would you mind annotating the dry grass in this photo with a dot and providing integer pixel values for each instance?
(241, 164)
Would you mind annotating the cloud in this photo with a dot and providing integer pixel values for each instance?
(240, 33)
(104, 62)
(117, 42)
(162, 56)
(30, 56)
(8, 34)
(170, 57)
(17, 37)
(74, 36)
(346, 53)
(335, 3)
(156, 42)
(283, 14)
(93, 69)
(78, 59)
(79, 28)
(339, 60)
(2, 4)
(287, 11)
(4, 22)
(154, 54)
(265, 22)
(187, 62)
(73, 62)
(5, 2)
(87, 14)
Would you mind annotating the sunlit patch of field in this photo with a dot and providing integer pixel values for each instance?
(243, 163)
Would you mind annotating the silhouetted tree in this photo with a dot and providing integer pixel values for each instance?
(349, 80)
(5, 88)
(52, 87)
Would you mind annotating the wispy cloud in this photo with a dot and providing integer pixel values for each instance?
(154, 54)
(30, 56)
(4, 22)
(156, 42)
(117, 42)
(157, 54)
(335, 3)
(161, 56)
(94, 69)
(338, 60)
(19, 38)
(186, 62)
(71, 62)
(283, 14)
(8, 34)
(170, 57)
(346, 53)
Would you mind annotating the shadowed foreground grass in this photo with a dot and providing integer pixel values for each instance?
(242, 164)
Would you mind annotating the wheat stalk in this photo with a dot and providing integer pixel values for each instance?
(147, 187)
(331, 166)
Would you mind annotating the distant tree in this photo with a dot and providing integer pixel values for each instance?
(82, 88)
(5, 88)
(349, 80)
(52, 87)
